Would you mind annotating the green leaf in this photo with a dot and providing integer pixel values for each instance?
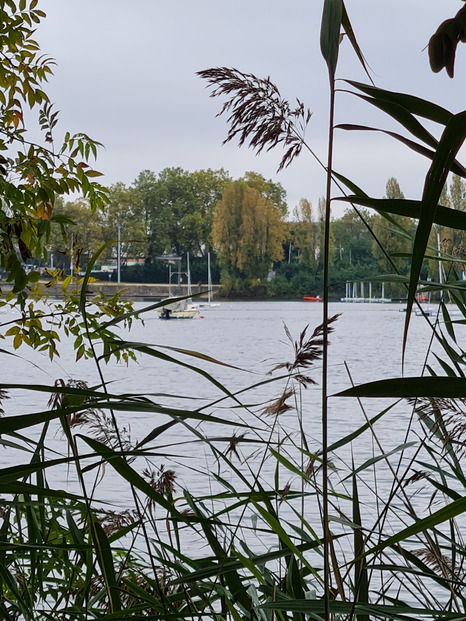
(409, 208)
(330, 33)
(457, 507)
(409, 387)
(33, 277)
(352, 436)
(93, 173)
(129, 474)
(415, 105)
(450, 142)
(352, 39)
(403, 116)
(347, 609)
(456, 167)
(105, 558)
(379, 457)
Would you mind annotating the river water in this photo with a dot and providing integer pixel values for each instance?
(250, 339)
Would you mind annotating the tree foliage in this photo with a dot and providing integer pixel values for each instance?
(248, 231)
(260, 542)
(32, 174)
(177, 208)
(35, 174)
(393, 233)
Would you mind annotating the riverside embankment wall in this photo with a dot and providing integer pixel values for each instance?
(130, 290)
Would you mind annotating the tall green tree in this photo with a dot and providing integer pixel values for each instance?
(125, 211)
(393, 232)
(308, 235)
(353, 242)
(303, 233)
(177, 208)
(457, 193)
(156, 222)
(83, 232)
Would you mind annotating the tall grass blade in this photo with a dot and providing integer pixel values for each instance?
(346, 24)
(420, 107)
(450, 142)
(453, 387)
(452, 510)
(361, 581)
(402, 115)
(330, 33)
(410, 208)
(456, 166)
(105, 558)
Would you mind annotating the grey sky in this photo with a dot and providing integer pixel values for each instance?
(126, 76)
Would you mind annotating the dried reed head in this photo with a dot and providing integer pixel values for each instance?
(113, 521)
(438, 562)
(414, 478)
(60, 400)
(307, 350)
(284, 492)
(99, 424)
(233, 446)
(3, 395)
(280, 405)
(258, 115)
(162, 481)
(446, 418)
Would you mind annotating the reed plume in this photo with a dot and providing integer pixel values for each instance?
(258, 114)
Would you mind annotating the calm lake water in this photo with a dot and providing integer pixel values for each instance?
(251, 338)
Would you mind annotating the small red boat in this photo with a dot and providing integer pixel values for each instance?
(310, 298)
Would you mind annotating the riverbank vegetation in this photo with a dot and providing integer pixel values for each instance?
(289, 524)
(259, 246)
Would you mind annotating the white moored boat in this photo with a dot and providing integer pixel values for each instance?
(182, 309)
(179, 309)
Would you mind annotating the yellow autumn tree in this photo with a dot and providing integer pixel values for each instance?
(248, 232)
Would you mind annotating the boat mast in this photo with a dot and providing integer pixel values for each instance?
(189, 273)
(209, 280)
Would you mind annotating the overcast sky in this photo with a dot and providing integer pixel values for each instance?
(125, 75)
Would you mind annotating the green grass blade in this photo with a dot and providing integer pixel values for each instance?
(452, 510)
(450, 142)
(403, 116)
(105, 558)
(361, 581)
(415, 105)
(330, 33)
(346, 24)
(380, 457)
(412, 209)
(448, 387)
(352, 436)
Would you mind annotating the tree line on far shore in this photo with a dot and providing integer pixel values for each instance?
(258, 246)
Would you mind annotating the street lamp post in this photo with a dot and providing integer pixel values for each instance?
(72, 256)
(119, 254)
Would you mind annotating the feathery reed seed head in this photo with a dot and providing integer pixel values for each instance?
(258, 115)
